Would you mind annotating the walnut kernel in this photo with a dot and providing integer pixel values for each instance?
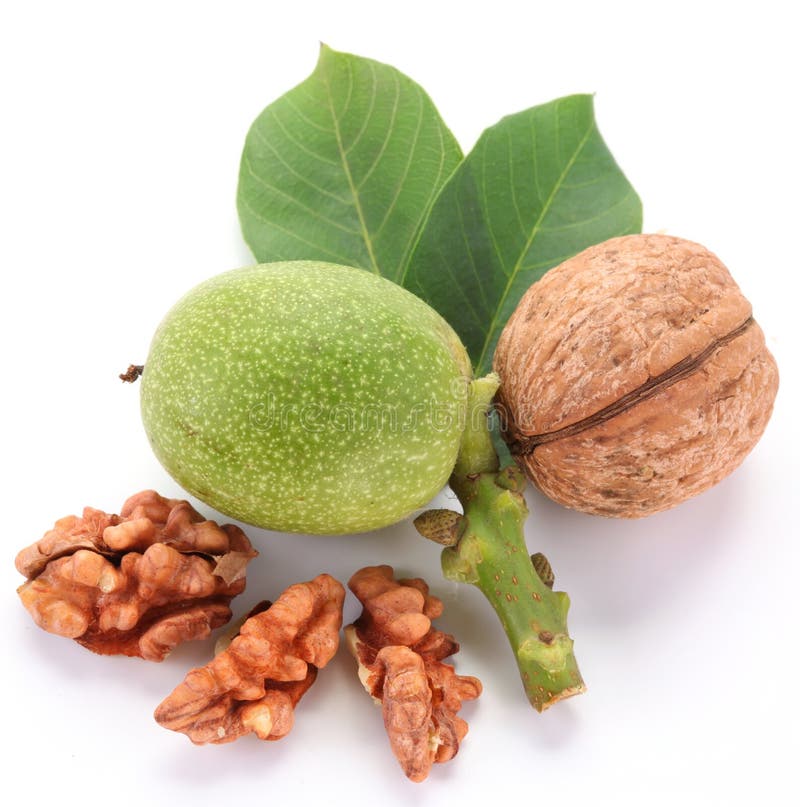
(255, 682)
(399, 657)
(137, 583)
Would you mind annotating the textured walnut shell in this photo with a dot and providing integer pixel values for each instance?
(633, 376)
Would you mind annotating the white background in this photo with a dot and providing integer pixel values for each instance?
(120, 141)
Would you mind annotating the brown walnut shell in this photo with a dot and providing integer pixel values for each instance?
(633, 376)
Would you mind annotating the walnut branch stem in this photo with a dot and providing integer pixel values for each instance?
(491, 554)
(477, 454)
(133, 372)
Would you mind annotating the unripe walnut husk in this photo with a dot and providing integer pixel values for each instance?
(633, 376)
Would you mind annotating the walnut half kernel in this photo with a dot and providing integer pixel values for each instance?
(138, 583)
(399, 655)
(254, 683)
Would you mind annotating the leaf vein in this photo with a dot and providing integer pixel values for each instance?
(295, 173)
(286, 231)
(426, 210)
(293, 140)
(368, 117)
(487, 213)
(288, 100)
(590, 219)
(345, 165)
(468, 247)
(386, 139)
(533, 234)
(401, 182)
(314, 214)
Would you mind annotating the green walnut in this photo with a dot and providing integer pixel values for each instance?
(306, 397)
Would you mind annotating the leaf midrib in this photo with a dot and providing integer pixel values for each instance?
(529, 243)
(346, 166)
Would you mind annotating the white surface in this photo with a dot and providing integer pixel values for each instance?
(123, 124)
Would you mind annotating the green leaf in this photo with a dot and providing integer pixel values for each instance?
(344, 167)
(539, 187)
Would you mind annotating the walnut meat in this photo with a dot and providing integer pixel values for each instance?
(633, 376)
(137, 583)
(399, 657)
(254, 683)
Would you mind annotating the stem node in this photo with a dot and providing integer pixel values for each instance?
(441, 526)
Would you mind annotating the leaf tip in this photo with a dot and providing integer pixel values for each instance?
(325, 51)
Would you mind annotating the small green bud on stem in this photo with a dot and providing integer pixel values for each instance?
(441, 526)
(542, 567)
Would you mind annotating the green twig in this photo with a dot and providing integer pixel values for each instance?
(487, 548)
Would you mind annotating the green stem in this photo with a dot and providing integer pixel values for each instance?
(491, 553)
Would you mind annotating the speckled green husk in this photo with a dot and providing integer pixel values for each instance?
(306, 397)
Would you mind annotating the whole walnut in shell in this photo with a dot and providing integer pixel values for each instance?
(633, 376)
